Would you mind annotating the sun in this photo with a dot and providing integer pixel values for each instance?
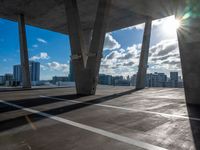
(177, 24)
(170, 25)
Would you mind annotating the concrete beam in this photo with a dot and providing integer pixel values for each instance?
(76, 41)
(143, 64)
(26, 83)
(86, 62)
(97, 43)
(189, 45)
(87, 37)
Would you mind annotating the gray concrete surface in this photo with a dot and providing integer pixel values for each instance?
(143, 64)
(86, 65)
(50, 14)
(24, 58)
(150, 117)
(189, 45)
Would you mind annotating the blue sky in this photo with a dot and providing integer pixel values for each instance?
(121, 49)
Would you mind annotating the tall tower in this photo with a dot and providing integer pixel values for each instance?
(17, 73)
(34, 71)
(34, 68)
(174, 79)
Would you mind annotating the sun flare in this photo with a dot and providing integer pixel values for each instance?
(171, 25)
(177, 23)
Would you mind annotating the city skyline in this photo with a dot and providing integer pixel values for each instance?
(16, 77)
(120, 55)
(156, 79)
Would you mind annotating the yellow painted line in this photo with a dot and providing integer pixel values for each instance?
(31, 123)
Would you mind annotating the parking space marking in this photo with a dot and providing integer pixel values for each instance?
(125, 108)
(105, 133)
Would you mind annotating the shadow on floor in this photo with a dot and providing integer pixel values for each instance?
(28, 89)
(33, 102)
(21, 120)
(194, 111)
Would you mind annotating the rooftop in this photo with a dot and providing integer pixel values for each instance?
(117, 118)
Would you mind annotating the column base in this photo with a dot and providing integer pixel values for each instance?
(85, 83)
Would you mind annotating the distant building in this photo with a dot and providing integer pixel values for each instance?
(71, 72)
(8, 79)
(34, 68)
(161, 79)
(152, 80)
(180, 82)
(34, 71)
(156, 80)
(133, 80)
(17, 73)
(56, 79)
(105, 79)
(110, 80)
(2, 80)
(174, 79)
(120, 81)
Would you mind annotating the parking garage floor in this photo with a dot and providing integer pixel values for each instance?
(117, 118)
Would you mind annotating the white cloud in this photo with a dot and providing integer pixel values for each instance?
(41, 40)
(43, 67)
(5, 60)
(158, 22)
(42, 55)
(56, 66)
(35, 46)
(155, 23)
(137, 27)
(165, 56)
(163, 21)
(121, 61)
(110, 43)
(140, 26)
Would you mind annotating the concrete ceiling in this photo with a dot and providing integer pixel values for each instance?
(50, 14)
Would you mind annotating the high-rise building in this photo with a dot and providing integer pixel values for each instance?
(174, 79)
(105, 79)
(156, 80)
(17, 73)
(161, 79)
(34, 71)
(34, 68)
(2, 80)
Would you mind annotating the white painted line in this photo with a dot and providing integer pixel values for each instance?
(128, 109)
(89, 128)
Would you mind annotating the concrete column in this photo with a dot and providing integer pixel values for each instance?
(26, 83)
(143, 64)
(76, 42)
(87, 37)
(86, 62)
(97, 43)
(189, 45)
